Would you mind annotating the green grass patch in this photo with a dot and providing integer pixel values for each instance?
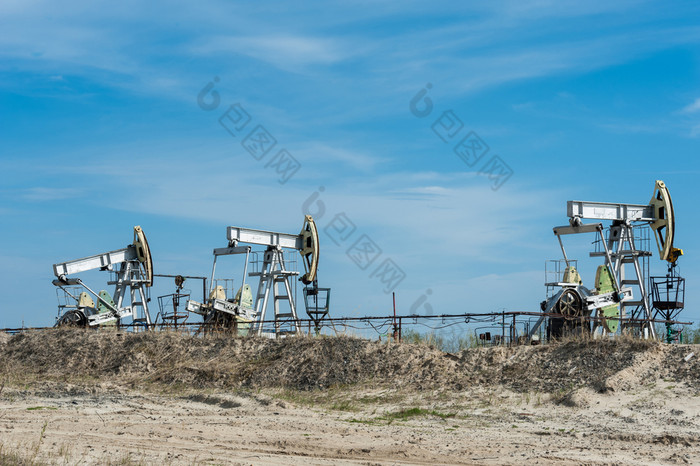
(403, 415)
(345, 405)
(406, 414)
(369, 422)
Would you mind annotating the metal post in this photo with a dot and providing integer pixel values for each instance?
(245, 272)
(213, 269)
(503, 326)
(396, 330)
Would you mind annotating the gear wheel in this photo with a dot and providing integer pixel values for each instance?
(570, 305)
(73, 318)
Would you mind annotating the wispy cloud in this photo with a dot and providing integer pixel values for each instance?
(400, 209)
(693, 107)
(468, 52)
(327, 159)
(690, 116)
(290, 52)
(43, 193)
(634, 128)
(695, 131)
(332, 82)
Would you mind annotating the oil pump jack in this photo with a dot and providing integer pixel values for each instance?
(133, 268)
(246, 315)
(612, 297)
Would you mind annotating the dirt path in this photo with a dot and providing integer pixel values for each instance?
(659, 423)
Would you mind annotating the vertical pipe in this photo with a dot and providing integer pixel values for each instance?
(503, 327)
(395, 335)
(245, 271)
(176, 303)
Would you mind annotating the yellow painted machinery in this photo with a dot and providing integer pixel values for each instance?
(622, 276)
(133, 269)
(247, 313)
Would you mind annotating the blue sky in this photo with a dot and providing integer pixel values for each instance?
(101, 130)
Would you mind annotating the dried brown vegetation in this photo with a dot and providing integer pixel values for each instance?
(105, 397)
(176, 359)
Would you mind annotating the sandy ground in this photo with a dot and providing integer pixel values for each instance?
(649, 424)
(86, 397)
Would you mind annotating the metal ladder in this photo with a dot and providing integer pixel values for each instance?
(130, 276)
(623, 250)
(273, 275)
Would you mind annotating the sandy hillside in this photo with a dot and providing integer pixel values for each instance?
(75, 397)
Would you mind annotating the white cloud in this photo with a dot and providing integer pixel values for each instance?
(469, 53)
(690, 111)
(43, 193)
(321, 154)
(428, 221)
(695, 131)
(456, 215)
(289, 51)
(692, 107)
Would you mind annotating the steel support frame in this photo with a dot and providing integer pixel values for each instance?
(273, 274)
(612, 260)
(128, 275)
(622, 232)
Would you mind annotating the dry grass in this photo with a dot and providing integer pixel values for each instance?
(401, 391)
(174, 362)
(9, 457)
